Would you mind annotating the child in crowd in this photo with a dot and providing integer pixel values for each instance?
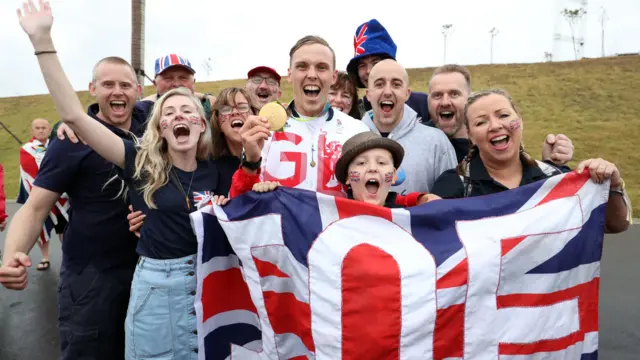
(367, 167)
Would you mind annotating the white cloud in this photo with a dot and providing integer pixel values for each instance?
(238, 35)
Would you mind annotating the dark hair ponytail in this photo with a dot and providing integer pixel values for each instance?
(528, 158)
(461, 168)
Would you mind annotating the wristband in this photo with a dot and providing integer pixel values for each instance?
(45, 52)
(248, 164)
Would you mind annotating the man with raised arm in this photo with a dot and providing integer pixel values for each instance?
(98, 252)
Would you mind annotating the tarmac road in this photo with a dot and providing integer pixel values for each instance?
(28, 318)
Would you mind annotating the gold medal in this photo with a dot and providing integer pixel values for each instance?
(276, 114)
(313, 163)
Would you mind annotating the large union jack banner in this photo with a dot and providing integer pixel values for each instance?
(294, 274)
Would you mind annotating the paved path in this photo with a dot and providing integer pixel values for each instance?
(28, 318)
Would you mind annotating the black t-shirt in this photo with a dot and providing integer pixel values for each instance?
(98, 230)
(449, 185)
(167, 231)
(461, 146)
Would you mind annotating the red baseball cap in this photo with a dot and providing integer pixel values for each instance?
(266, 69)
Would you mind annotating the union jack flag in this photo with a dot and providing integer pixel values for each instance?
(303, 275)
(200, 197)
(358, 40)
(31, 155)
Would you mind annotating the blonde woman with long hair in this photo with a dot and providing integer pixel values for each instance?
(167, 173)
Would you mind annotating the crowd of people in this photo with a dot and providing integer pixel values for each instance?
(133, 170)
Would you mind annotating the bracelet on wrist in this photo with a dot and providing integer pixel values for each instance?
(45, 52)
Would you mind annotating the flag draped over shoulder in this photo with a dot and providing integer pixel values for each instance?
(294, 274)
(31, 155)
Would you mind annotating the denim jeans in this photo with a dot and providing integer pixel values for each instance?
(161, 320)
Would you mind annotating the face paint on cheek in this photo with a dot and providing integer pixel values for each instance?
(194, 120)
(354, 176)
(164, 124)
(388, 177)
(514, 124)
(224, 118)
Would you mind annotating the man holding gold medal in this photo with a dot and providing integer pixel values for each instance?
(299, 146)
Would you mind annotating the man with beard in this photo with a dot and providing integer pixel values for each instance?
(304, 153)
(372, 44)
(263, 85)
(449, 89)
(428, 151)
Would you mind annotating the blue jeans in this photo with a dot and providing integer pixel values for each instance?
(161, 318)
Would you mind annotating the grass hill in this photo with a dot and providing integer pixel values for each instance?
(596, 102)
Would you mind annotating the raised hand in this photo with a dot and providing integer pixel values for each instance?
(558, 149)
(36, 22)
(254, 132)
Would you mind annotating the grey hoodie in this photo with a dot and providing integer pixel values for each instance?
(427, 152)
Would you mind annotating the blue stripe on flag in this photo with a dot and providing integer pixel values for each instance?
(294, 217)
(436, 222)
(213, 230)
(217, 343)
(584, 248)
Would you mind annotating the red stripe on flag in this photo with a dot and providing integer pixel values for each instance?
(508, 244)
(448, 338)
(174, 59)
(455, 277)
(371, 304)
(541, 346)
(28, 163)
(236, 293)
(289, 315)
(349, 208)
(266, 268)
(569, 185)
(587, 294)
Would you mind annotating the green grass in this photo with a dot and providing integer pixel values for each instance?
(594, 102)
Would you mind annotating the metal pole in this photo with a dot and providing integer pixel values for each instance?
(10, 133)
(444, 58)
(137, 39)
(603, 19)
(493, 32)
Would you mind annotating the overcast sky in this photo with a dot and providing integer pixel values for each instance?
(238, 35)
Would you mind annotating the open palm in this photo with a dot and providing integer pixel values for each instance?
(35, 21)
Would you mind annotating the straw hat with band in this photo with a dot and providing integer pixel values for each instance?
(362, 142)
